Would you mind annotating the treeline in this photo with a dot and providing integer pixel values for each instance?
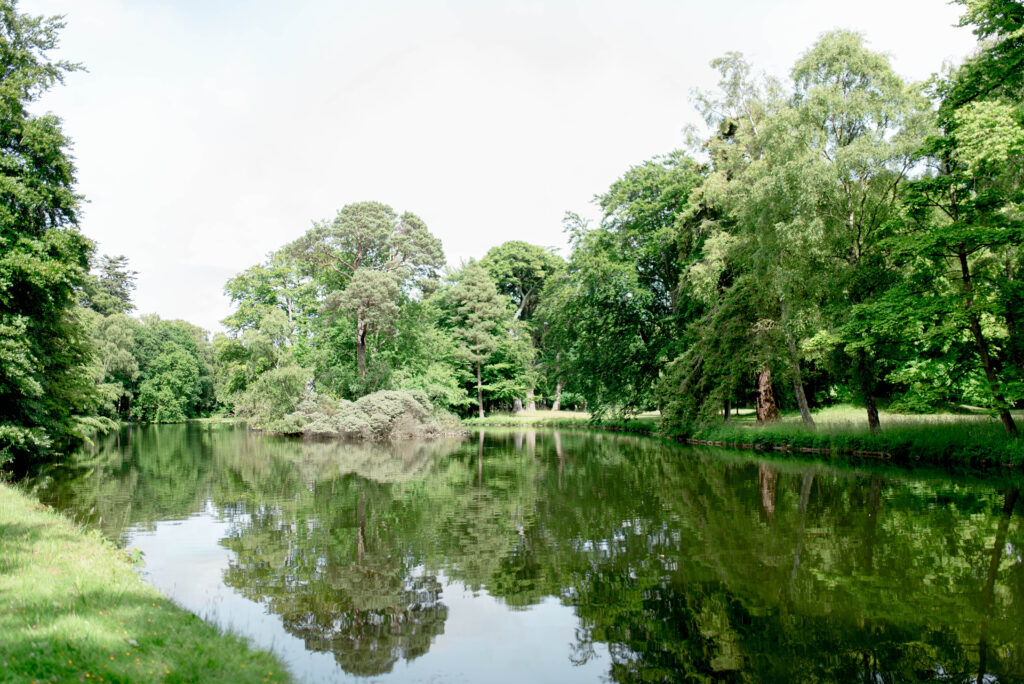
(841, 236)
(146, 368)
(72, 361)
(357, 304)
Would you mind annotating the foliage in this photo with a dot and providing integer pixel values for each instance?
(388, 414)
(616, 313)
(108, 288)
(520, 271)
(478, 317)
(273, 394)
(48, 399)
(364, 259)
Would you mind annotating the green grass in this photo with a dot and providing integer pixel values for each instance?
(643, 424)
(221, 419)
(72, 609)
(958, 440)
(971, 439)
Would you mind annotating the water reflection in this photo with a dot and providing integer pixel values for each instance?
(676, 563)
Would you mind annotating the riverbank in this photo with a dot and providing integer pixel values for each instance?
(646, 424)
(958, 445)
(73, 609)
(945, 440)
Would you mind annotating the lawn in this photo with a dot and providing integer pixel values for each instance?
(969, 439)
(73, 609)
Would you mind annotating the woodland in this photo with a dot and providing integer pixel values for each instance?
(837, 236)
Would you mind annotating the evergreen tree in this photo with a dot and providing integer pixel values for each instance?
(108, 289)
(480, 317)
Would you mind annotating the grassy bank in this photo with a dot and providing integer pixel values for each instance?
(959, 440)
(72, 609)
(963, 440)
(644, 424)
(942, 443)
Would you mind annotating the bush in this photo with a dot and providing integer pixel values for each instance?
(388, 414)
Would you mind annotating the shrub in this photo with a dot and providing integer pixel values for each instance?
(387, 414)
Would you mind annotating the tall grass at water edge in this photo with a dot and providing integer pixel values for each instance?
(970, 440)
(938, 440)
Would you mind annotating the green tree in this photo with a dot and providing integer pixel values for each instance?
(117, 371)
(997, 69)
(369, 236)
(750, 280)
(176, 371)
(621, 307)
(172, 389)
(108, 289)
(278, 283)
(372, 298)
(963, 235)
(479, 317)
(863, 127)
(521, 270)
(48, 397)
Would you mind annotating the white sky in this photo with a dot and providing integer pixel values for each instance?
(210, 132)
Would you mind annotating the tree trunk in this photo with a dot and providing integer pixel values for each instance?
(727, 411)
(874, 424)
(798, 385)
(556, 405)
(767, 411)
(517, 405)
(531, 400)
(794, 363)
(361, 348)
(987, 362)
(866, 373)
(479, 389)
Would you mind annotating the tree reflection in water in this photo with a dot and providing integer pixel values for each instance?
(685, 564)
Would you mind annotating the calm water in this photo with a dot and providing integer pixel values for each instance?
(542, 556)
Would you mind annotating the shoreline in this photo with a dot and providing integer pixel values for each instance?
(914, 444)
(72, 607)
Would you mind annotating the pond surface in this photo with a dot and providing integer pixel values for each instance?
(548, 556)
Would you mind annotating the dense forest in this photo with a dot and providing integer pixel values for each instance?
(841, 235)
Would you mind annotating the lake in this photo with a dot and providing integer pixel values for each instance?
(564, 556)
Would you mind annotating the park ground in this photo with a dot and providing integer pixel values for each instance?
(72, 609)
(969, 438)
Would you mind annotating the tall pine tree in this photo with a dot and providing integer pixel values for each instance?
(481, 316)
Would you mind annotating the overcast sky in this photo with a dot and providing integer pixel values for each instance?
(210, 132)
